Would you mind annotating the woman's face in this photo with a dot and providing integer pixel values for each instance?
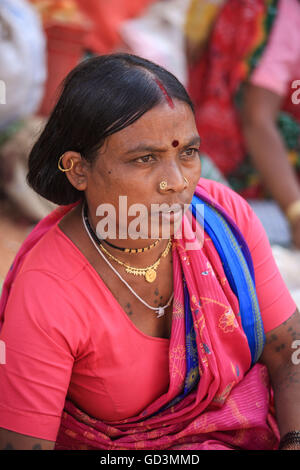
(160, 146)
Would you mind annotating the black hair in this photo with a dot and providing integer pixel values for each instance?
(101, 96)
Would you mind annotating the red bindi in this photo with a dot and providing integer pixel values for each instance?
(175, 143)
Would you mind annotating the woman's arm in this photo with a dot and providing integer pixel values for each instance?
(39, 358)
(10, 440)
(266, 147)
(283, 362)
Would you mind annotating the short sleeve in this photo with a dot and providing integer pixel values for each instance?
(275, 301)
(280, 61)
(39, 356)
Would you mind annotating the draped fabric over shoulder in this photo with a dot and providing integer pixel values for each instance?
(218, 396)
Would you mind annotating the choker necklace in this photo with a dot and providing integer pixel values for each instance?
(149, 272)
(159, 310)
(131, 250)
(125, 250)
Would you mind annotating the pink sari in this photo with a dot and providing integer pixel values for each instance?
(229, 407)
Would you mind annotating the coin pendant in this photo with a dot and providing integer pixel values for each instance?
(150, 275)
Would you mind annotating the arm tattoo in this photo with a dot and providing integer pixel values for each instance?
(291, 332)
(9, 446)
(280, 344)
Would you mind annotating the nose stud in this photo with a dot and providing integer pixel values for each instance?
(163, 184)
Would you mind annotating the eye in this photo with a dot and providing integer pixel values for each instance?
(144, 159)
(190, 152)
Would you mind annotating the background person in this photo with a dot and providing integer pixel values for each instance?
(242, 92)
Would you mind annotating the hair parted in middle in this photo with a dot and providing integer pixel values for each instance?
(101, 96)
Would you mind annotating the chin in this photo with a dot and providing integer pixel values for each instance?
(167, 226)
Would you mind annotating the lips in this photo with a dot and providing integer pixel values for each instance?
(173, 211)
(174, 208)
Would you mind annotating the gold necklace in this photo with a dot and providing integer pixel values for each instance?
(149, 272)
(98, 241)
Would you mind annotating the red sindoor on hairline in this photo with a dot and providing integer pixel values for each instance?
(167, 96)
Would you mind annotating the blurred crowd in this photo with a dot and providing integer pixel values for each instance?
(239, 59)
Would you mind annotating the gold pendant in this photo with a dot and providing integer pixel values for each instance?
(150, 275)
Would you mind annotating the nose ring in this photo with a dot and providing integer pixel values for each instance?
(163, 184)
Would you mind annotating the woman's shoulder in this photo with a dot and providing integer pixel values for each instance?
(234, 204)
(54, 254)
(47, 303)
(240, 211)
(49, 290)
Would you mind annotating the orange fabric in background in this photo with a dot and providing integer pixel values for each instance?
(106, 17)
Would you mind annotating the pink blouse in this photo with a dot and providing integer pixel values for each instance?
(65, 333)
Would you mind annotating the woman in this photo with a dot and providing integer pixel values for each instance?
(246, 97)
(158, 341)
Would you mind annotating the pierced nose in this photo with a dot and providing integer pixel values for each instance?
(163, 184)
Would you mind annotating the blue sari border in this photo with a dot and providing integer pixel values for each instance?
(238, 267)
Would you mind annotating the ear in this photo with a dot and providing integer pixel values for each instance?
(76, 169)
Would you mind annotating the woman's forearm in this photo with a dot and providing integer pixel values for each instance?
(282, 359)
(269, 156)
(10, 440)
(286, 386)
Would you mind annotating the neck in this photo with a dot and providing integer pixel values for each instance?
(140, 259)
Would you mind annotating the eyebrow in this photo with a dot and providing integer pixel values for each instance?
(150, 148)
